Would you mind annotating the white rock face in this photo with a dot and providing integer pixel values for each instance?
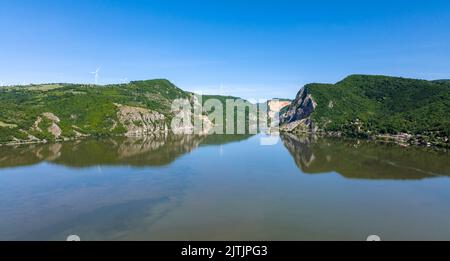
(275, 107)
(54, 129)
(140, 121)
(51, 116)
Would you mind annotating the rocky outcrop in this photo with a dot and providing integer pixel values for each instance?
(53, 129)
(298, 116)
(140, 121)
(304, 125)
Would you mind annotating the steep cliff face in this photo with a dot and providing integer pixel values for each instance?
(298, 116)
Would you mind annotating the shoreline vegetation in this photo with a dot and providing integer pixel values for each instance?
(403, 140)
(408, 112)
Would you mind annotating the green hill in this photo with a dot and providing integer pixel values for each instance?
(366, 105)
(79, 109)
(64, 111)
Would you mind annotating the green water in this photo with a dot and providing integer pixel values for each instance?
(223, 188)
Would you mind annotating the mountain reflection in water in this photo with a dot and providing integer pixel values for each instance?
(223, 187)
(130, 151)
(359, 159)
(362, 159)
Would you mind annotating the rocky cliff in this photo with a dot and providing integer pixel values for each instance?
(298, 116)
(140, 121)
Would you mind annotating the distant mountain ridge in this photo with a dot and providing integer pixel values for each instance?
(415, 111)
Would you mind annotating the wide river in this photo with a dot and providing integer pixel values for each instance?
(223, 188)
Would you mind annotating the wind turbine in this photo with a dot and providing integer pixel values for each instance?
(96, 74)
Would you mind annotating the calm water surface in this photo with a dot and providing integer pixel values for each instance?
(223, 188)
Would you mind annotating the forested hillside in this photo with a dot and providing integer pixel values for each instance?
(365, 105)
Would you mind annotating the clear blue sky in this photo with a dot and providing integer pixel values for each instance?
(254, 49)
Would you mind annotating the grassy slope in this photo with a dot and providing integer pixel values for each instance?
(383, 105)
